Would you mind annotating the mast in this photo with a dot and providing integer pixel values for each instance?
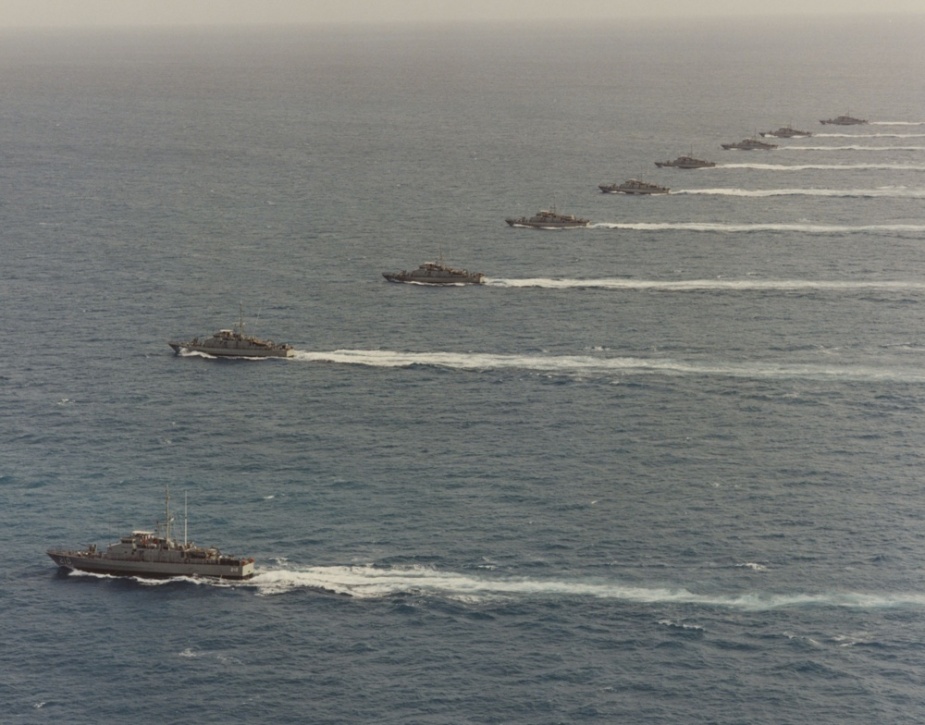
(185, 498)
(167, 512)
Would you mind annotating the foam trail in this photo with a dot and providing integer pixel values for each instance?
(723, 227)
(897, 123)
(900, 192)
(700, 285)
(618, 366)
(824, 167)
(851, 148)
(370, 582)
(869, 135)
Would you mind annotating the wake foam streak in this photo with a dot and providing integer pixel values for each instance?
(851, 148)
(699, 285)
(869, 135)
(834, 167)
(900, 192)
(721, 227)
(592, 365)
(897, 123)
(368, 582)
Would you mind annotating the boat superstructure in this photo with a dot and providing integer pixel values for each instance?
(155, 554)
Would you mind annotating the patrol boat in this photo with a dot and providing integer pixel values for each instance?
(234, 343)
(844, 121)
(435, 273)
(750, 144)
(155, 555)
(549, 219)
(633, 186)
(786, 132)
(686, 162)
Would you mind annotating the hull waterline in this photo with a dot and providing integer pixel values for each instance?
(80, 561)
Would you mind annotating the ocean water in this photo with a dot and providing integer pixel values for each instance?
(667, 468)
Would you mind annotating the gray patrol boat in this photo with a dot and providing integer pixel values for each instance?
(843, 121)
(549, 219)
(633, 187)
(435, 273)
(155, 555)
(686, 162)
(786, 132)
(234, 343)
(750, 144)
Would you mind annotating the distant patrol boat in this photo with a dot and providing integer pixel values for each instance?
(750, 144)
(844, 121)
(234, 343)
(549, 219)
(633, 186)
(786, 132)
(686, 162)
(435, 273)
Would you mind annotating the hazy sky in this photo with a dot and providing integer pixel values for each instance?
(25, 13)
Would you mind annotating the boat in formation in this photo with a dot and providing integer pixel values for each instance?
(435, 273)
(155, 555)
(686, 162)
(439, 273)
(787, 132)
(843, 121)
(633, 186)
(549, 219)
(750, 144)
(234, 343)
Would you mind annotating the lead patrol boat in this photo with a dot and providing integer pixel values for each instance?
(155, 555)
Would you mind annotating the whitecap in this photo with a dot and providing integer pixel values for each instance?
(753, 566)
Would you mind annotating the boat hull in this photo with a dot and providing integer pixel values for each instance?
(100, 564)
(229, 352)
(843, 122)
(682, 165)
(631, 191)
(748, 147)
(411, 279)
(786, 134)
(527, 224)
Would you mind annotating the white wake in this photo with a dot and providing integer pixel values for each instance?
(371, 582)
(729, 227)
(824, 167)
(700, 285)
(868, 135)
(851, 148)
(900, 192)
(615, 366)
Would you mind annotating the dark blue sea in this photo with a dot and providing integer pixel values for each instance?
(665, 469)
